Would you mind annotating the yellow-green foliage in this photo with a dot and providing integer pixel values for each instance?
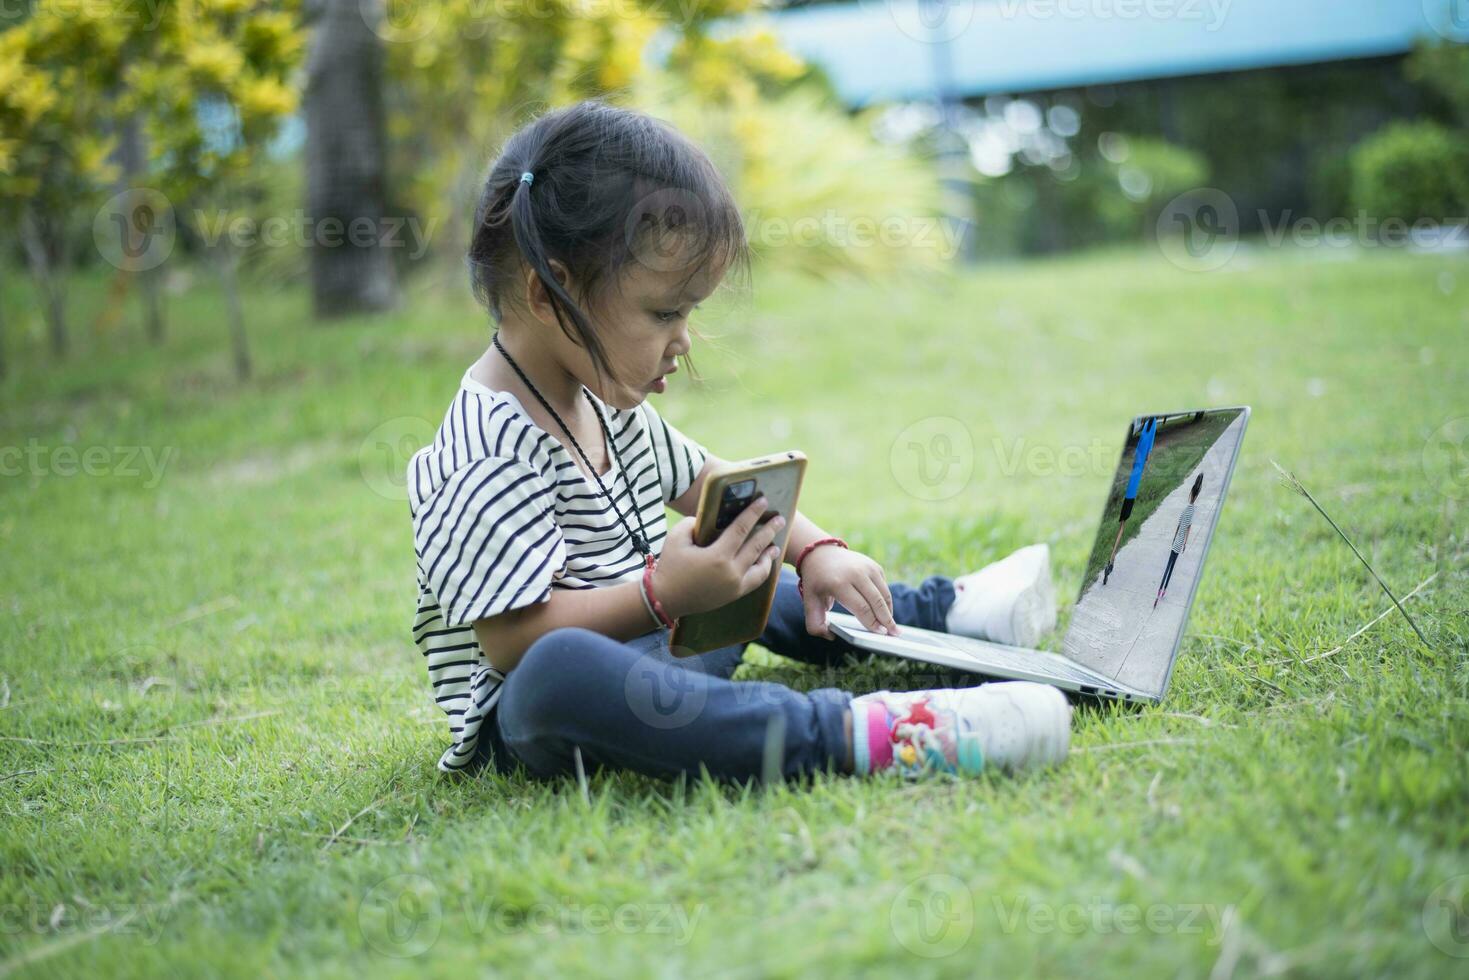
(70, 72)
(463, 74)
(819, 193)
(51, 109)
(238, 56)
(466, 75)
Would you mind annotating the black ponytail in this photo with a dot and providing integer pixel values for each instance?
(608, 186)
(1198, 485)
(528, 239)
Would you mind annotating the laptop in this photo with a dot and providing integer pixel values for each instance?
(1127, 624)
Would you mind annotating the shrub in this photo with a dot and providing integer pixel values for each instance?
(1097, 201)
(1412, 171)
(1154, 173)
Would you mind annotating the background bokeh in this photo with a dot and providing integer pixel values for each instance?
(338, 143)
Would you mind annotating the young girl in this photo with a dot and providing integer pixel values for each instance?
(547, 576)
(1180, 536)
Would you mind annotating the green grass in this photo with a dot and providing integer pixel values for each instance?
(217, 746)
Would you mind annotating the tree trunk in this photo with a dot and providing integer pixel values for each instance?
(132, 153)
(346, 161)
(44, 248)
(227, 261)
(4, 256)
(153, 304)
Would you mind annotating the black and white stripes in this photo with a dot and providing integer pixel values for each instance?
(502, 514)
(1180, 533)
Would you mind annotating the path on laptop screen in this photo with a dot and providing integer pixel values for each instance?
(1115, 628)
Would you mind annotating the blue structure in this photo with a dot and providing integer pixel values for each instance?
(877, 51)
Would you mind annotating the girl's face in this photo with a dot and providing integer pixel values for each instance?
(643, 322)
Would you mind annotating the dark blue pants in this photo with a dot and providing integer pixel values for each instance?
(1168, 572)
(635, 706)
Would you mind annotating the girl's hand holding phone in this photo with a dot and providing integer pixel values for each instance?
(830, 575)
(692, 579)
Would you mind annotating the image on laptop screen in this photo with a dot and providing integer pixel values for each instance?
(1161, 509)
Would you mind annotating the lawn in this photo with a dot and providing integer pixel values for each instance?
(217, 745)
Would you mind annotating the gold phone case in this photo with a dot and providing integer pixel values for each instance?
(778, 476)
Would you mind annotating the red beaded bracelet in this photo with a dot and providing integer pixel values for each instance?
(653, 599)
(800, 588)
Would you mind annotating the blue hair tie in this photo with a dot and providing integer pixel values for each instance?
(527, 178)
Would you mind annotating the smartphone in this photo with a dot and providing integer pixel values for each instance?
(727, 491)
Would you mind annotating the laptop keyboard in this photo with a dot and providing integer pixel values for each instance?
(987, 656)
(995, 655)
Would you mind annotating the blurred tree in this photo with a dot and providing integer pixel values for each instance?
(132, 159)
(1137, 188)
(215, 85)
(21, 103)
(820, 194)
(465, 73)
(11, 70)
(1444, 70)
(346, 157)
(208, 79)
(52, 157)
(832, 202)
(1275, 140)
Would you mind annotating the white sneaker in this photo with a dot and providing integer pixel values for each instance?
(1013, 726)
(1011, 601)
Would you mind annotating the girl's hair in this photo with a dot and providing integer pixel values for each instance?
(1198, 485)
(608, 186)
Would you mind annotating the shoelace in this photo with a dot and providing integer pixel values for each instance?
(917, 744)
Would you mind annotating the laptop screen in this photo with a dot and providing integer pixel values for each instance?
(1161, 508)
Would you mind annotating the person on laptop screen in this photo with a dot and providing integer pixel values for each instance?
(1180, 537)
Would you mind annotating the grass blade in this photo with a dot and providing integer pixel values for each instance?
(1298, 487)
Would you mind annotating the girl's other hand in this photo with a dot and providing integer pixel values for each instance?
(691, 579)
(830, 575)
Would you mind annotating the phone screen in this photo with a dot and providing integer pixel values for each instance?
(737, 496)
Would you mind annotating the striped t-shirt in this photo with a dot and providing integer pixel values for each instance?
(1185, 521)
(502, 514)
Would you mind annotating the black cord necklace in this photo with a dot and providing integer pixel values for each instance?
(640, 536)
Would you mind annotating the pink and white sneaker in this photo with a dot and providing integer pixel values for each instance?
(1011, 726)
